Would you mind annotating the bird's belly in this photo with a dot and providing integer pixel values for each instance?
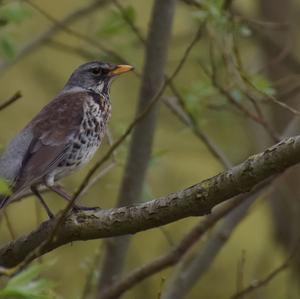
(83, 145)
(78, 155)
(82, 149)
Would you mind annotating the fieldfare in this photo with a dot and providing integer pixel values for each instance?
(63, 136)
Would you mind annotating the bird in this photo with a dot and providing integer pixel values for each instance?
(63, 136)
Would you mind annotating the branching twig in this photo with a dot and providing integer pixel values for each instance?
(173, 104)
(239, 106)
(216, 152)
(263, 282)
(129, 22)
(45, 36)
(65, 28)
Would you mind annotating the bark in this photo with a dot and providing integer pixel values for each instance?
(196, 200)
(142, 138)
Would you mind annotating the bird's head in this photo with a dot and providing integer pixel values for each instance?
(96, 76)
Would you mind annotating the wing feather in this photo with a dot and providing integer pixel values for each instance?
(52, 128)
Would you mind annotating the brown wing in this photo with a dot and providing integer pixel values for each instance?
(52, 130)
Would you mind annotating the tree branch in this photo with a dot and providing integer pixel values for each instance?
(196, 200)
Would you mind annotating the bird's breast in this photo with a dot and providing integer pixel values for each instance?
(87, 140)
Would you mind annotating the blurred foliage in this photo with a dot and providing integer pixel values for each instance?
(4, 188)
(115, 22)
(29, 285)
(12, 16)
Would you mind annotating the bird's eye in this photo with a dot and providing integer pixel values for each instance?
(96, 70)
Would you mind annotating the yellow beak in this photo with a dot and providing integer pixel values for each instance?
(121, 68)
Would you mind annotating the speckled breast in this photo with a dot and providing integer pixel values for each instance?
(86, 142)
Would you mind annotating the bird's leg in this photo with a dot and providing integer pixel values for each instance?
(39, 196)
(62, 193)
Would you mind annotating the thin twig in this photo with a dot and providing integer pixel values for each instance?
(76, 50)
(273, 99)
(132, 26)
(236, 104)
(11, 100)
(231, 99)
(251, 85)
(212, 147)
(182, 115)
(65, 28)
(96, 178)
(216, 152)
(267, 279)
(45, 36)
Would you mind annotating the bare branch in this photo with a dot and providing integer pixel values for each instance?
(194, 201)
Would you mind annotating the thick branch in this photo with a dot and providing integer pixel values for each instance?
(196, 200)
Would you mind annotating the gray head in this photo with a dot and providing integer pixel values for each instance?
(96, 76)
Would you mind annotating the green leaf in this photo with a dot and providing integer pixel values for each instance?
(4, 188)
(7, 47)
(14, 13)
(115, 23)
(130, 13)
(262, 84)
(28, 285)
